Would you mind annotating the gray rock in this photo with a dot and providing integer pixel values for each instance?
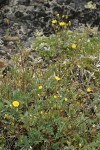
(1, 42)
(2, 52)
(1, 1)
(24, 2)
(23, 17)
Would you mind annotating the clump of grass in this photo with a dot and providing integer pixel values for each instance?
(56, 107)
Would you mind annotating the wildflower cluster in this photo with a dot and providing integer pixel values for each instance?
(53, 104)
(60, 22)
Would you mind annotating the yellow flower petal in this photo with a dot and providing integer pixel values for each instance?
(41, 112)
(57, 15)
(69, 23)
(39, 95)
(63, 16)
(74, 46)
(62, 24)
(89, 90)
(54, 21)
(55, 96)
(57, 78)
(15, 103)
(40, 87)
(80, 145)
(66, 99)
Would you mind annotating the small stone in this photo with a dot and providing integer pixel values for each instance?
(2, 52)
(1, 42)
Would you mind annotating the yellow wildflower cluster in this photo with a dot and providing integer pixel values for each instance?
(63, 16)
(60, 22)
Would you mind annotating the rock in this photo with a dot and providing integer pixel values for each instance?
(22, 18)
(18, 14)
(24, 2)
(1, 1)
(2, 52)
(1, 42)
(11, 38)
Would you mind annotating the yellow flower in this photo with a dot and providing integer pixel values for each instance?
(55, 96)
(74, 46)
(62, 24)
(39, 95)
(15, 103)
(66, 99)
(69, 23)
(57, 78)
(10, 106)
(40, 87)
(68, 142)
(89, 90)
(57, 15)
(54, 21)
(80, 145)
(63, 16)
(41, 112)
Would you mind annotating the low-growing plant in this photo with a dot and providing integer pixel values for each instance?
(54, 107)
